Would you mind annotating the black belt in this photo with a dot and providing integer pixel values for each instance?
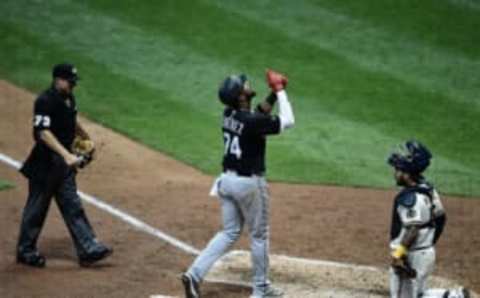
(420, 248)
(243, 173)
(430, 225)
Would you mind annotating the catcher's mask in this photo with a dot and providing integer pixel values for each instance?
(412, 157)
(231, 89)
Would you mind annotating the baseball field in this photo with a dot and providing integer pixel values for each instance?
(363, 77)
(4, 185)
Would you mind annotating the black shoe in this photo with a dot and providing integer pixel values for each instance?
(465, 293)
(34, 259)
(96, 256)
(192, 290)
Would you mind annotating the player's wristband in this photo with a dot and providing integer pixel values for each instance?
(399, 252)
(260, 109)
(271, 98)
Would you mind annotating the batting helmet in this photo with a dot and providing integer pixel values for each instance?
(231, 88)
(412, 157)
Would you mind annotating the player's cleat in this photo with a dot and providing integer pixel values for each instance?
(465, 292)
(192, 289)
(34, 259)
(269, 293)
(92, 258)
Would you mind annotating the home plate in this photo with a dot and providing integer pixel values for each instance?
(313, 278)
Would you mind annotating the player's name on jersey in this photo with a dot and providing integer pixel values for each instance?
(233, 125)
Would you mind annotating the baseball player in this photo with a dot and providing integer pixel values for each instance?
(418, 219)
(242, 187)
(51, 170)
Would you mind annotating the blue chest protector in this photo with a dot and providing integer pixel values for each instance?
(407, 198)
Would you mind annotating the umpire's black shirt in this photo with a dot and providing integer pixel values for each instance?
(244, 136)
(58, 113)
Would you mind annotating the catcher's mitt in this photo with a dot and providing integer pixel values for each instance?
(403, 269)
(84, 149)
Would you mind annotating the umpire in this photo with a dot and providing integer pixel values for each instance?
(51, 168)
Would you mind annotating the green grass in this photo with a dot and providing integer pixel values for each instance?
(363, 77)
(5, 185)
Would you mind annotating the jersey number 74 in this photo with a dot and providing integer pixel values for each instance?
(232, 145)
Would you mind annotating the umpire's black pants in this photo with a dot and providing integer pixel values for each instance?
(64, 189)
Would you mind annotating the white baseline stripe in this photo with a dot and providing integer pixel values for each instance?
(119, 214)
(234, 253)
(329, 263)
(11, 162)
(138, 224)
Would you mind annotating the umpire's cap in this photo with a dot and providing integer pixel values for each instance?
(231, 88)
(411, 157)
(65, 71)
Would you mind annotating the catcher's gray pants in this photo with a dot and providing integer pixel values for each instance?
(64, 189)
(244, 200)
(423, 261)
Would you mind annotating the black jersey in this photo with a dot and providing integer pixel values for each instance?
(57, 113)
(244, 136)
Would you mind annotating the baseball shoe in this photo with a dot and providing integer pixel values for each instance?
(33, 259)
(102, 253)
(269, 293)
(192, 289)
(465, 292)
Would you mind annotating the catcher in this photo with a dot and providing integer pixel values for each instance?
(418, 219)
(61, 146)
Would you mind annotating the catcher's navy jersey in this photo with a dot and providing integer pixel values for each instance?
(244, 136)
(57, 113)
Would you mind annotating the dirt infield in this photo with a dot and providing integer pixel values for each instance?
(316, 222)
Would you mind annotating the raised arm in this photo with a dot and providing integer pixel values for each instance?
(277, 83)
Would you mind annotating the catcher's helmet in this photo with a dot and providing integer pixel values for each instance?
(231, 88)
(412, 157)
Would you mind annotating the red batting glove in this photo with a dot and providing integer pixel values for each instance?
(276, 81)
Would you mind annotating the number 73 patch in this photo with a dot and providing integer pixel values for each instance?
(41, 121)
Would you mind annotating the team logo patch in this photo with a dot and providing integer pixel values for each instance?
(411, 213)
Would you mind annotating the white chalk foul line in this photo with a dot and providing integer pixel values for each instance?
(10, 161)
(119, 214)
(138, 223)
(234, 253)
